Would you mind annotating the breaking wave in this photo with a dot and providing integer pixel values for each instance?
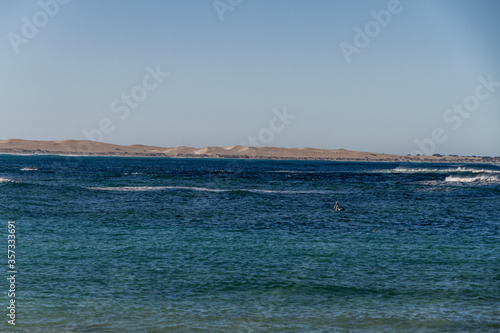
(447, 170)
(475, 179)
(203, 189)
(300, 171)
(29, 169)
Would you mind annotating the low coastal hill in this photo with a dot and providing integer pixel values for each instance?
(93, 148)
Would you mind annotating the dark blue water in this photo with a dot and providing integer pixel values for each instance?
(204, 245)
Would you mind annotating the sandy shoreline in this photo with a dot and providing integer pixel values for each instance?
(93, 148)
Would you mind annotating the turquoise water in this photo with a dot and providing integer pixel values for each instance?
(204, 245)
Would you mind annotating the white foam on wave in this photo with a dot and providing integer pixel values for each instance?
(297, 171)
(437, 170)
(203, 189)
(412, 170)
(6, 180)
(471, 170)
(128, 188)
(475, 179)
(285, 192)
(153, 188)
(29, 169)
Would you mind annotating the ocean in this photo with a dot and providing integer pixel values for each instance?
(116, 244)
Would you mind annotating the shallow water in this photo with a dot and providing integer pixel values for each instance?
(109, 244)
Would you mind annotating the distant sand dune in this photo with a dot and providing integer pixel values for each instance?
(85, 147)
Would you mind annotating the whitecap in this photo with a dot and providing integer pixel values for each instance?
(460, 169)
(286, 192)
(412, 170)
(472, 170)
(128, 188)
(478, 179)
(153, 188)
(203, 189)
(29, 169)
(298, 171)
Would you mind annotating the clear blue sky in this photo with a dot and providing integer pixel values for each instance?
(226, 76)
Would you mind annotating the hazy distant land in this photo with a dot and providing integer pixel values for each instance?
(93, 148)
